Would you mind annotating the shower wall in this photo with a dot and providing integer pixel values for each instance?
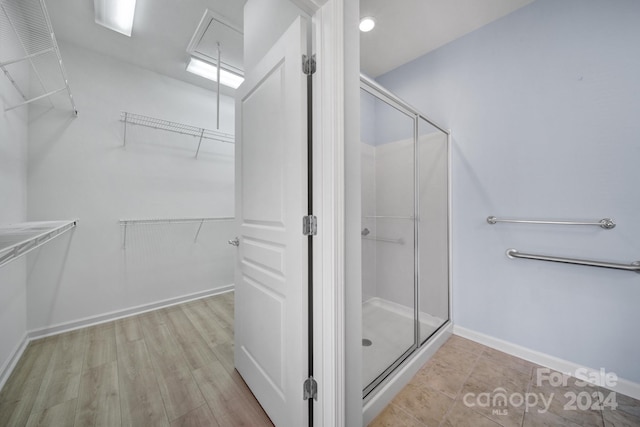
(369, 253)
(394, 164)
(387, 167)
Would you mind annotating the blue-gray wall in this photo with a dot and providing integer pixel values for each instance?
(544, 106)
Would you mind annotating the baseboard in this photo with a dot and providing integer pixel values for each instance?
(622, 386)
(376, 403)
(7, 368)
(127, 312)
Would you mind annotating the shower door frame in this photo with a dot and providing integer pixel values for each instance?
(384, 95)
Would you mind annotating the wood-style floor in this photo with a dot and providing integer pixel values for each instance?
(170, 367)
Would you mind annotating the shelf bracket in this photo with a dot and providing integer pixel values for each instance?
(124, 138)
(124, 238)
(199, 142)
(198, 232)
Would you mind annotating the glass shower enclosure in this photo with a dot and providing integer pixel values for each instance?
(404, 230)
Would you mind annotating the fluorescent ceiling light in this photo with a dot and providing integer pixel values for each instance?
(117, 15)
(210, 71)
(366, 24)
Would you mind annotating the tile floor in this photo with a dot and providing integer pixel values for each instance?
(466, 383)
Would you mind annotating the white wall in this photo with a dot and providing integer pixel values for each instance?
(543, 106)
(264, 23)
(388, 190)
(395, 198)
(369, 247)
(79, 168)
(13, 200)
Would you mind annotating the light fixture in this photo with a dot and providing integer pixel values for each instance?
(117, 15)
(366, 24)
(210, 71)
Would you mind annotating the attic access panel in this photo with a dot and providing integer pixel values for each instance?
(214, 28)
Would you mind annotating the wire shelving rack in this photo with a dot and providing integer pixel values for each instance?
(27, 22)
(201, 133)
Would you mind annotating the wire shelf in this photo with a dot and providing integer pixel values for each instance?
(27, 22)
(125, 223)
(175, 127)
(19, 239)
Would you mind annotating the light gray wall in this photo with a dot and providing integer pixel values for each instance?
(79, 168)
(13, 199)
(543, 106)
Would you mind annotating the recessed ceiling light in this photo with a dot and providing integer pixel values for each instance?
(366, 24)
(117, 15)
(210, 71)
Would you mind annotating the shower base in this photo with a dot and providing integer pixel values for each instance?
(389, 327)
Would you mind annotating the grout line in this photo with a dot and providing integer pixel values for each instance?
(473, 367)
(408, 413)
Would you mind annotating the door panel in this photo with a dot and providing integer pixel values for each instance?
(271, 200)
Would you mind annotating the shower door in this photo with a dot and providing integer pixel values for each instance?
(432, 168)
(404, 231)
(388, 235)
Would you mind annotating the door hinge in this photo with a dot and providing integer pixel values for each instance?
(310, 389)
(309, 64)
(309, 225)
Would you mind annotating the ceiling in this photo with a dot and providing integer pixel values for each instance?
(408, 29)
(163, 29)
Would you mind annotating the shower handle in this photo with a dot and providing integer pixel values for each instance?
(234, 242)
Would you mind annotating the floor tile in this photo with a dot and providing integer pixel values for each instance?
(426, 405)
(462, 416)
(464, 344)
(393, 416)
(445, 380)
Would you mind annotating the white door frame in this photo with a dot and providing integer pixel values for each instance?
(328, 201)
(328, 195)
(328, 28)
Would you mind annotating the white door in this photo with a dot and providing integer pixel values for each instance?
(271, 200)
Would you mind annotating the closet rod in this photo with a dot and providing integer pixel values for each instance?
(606, 223)
(634, 266)
(126, 222)
(155, 221)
